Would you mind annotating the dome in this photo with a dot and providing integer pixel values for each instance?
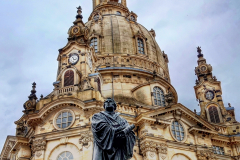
(119, 33)
(127, 56)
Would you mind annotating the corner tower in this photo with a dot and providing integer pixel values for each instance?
(209, 94)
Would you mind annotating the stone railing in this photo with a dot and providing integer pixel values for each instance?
(133, 62)
(66, 89)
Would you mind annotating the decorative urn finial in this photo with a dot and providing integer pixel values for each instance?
(33, 92)
(79, 11)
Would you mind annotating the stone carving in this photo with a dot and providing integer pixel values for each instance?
(30, 105)
(39, 145)
(162, 148)
(64, 140)
(206, 155)
(21, 129)
(148, 146)
(38, 153)
(85, 138)
(169, 98)
(113, 136)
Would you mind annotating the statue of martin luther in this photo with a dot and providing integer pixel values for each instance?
(113, 136)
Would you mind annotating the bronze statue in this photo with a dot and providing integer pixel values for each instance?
(113, 136)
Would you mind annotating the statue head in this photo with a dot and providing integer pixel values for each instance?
(110, 105)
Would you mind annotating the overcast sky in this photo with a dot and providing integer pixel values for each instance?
(31, 32)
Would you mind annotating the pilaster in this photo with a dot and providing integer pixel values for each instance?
(39, 148)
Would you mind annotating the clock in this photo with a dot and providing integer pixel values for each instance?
(73, 58)
(203, 68)
(209, 95)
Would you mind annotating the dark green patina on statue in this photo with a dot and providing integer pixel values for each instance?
(113, 136)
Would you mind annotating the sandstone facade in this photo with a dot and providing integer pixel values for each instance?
(112, 55)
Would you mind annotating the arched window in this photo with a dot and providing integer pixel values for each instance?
(68, 78)
(94, 43)
(158, 95)
(140, 46)
(213, 113)
(65, 156)
(119, 13)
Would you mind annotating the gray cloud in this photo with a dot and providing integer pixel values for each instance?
(32, 32)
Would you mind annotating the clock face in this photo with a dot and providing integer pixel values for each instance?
(203, 68)
(73, 59)
(209, 95)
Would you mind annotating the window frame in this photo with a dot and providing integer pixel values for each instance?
(57, 115)
(144, 44)
(221, 149)
(207, 106)
(95, 43)
(184, 129)
(153, 97)
(65, 72)
(65, 154)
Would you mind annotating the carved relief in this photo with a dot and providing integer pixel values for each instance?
(85, 138)
(205, 155)
(39, 145)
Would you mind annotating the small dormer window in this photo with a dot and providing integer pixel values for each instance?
(119, 13)
(140, 46)
(158, 96)
(94, 44)
(133, 18)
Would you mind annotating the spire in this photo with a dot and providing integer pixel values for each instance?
(33, 91)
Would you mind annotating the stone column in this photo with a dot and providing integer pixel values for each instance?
(86, 139)
(38, 148)
(162, 151)
(149, 150)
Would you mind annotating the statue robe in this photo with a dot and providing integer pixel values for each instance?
(105, 127)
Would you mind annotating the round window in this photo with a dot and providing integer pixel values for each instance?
(64, 119)
(65, 156)
(178, 131)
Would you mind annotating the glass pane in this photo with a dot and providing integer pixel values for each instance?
(70, 157)
(177, 128)
(178, 133)
(155, 101)
(174, 133)
(69, 114)
(60, 116)
(64, 114)
(65, 159)
(70, 119)
(64, 125)
(59, 158)
(181, 129)
(59, 125)
(58, 120)
(173, 127)
(178, 138)
(63, 154)
(182, 134)
(64, 120)
(69, 123)
(68, 154)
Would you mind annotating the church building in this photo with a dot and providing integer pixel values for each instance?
(112, 55)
